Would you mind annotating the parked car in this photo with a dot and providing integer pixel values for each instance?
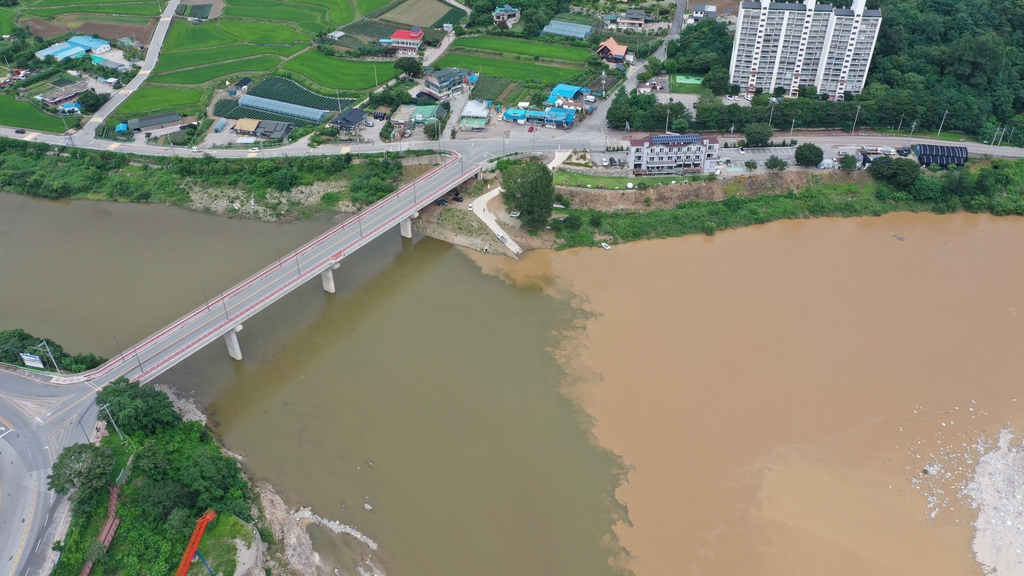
(254, 149)
(19, 131)
(612, 161)
(694, 105)
(457, 198)
(903, 152)
(748, 97)
(514, 214)
(441, 202)
(604, 162)
(369, 124)
(502, 238)
(196, 149)
(742, 151)
(530, 129)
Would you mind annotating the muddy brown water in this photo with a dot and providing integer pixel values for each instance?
(775, 392)
(778, 390)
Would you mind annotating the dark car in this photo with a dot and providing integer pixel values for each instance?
(19, 131)
(694, 105)
(612, 161)
(903, 152)
(441, 202)
(457, 198)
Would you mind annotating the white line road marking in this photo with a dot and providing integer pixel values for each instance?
(6, 433)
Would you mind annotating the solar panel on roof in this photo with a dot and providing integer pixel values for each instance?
(674, 138)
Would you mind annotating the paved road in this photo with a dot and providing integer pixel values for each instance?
(37, 421)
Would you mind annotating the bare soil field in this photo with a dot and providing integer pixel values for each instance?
(42, 28)
(142, 32)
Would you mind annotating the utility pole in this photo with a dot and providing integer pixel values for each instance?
(855, 118)
(912, 126)
(791, 126)
(375, 74)
(107, 410)
(121, 352)
(668, 112)
(205, 297)
(47, 346)
(1009, 139)
(1002, 132)
(139, 360)
(901, 122)
(771, 114)
(943, 123)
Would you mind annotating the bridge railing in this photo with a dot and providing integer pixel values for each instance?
(316, 268)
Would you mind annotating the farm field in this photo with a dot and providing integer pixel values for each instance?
(148, 99)
(371, 30)
(511, 69)
(524, 47)
(55, 3)
(339, 74)
(490, 87)
(261, 32)
(178, 60)
(6, 21)
(453, 16)
(284, 90)
(338, 11)
(24, 115)
(185, 36)
(140, 9)
(207, 73)
(416, 12)
(229, 108)
(305, 18)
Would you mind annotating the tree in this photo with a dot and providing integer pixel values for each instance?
(848, 162)
(432, 130)
(776, 163)
(81, 470)
(758, 135)
(411, 66)
(809, 155)
(89, 101)
(900, 172)
(750, 165)
(529, 189)
(137, 408)
(716, 80)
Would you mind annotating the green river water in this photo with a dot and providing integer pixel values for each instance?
(423, 388)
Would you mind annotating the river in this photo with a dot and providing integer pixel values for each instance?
(776, 393)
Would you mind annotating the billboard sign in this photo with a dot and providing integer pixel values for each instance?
(32, 361)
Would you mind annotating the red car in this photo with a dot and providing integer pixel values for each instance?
(531, 129)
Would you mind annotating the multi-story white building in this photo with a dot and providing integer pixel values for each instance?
(674, 153)
(792, 45)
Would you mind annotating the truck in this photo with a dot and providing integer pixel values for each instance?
(889, 151)
(590, 98)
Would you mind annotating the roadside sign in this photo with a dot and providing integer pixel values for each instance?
(32, 361)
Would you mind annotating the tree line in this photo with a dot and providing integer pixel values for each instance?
(16, 341)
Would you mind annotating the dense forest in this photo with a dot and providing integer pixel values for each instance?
(932, 56)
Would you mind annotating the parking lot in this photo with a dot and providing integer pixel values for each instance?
(759, 155)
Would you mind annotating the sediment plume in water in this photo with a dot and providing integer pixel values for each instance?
(997, 491)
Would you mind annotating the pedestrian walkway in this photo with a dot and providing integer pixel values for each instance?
(480, 209)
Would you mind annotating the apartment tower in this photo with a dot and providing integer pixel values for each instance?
(793, 45)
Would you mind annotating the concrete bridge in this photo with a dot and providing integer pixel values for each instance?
(225, 315)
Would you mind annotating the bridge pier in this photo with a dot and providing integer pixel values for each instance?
(406, 228)
(231, 338)
(327, 277)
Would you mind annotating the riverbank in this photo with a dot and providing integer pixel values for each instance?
(778, 391)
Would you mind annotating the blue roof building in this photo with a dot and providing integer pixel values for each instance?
(90, 44)
(567, 92)
(61, 51)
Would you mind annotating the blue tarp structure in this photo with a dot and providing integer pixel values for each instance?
(566, 92)
(122, 127)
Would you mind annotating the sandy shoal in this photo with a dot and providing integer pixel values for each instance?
(776, 389)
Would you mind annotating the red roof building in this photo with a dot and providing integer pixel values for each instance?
(407, 40)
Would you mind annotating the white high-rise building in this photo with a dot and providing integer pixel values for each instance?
(793, 45)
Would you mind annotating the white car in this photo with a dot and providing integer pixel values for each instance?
(369, 124)
(254, 149)
(514, 214)
(196, 149)
(604, 162)
(747, 97)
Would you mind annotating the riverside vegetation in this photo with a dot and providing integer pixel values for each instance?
(992, 186)
(178, 473)
(14, 342)
(43, 171)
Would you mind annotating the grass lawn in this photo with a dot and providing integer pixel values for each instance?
(6, 21)
(177, 60)
(24, 115)
(413, 12)
(262, 32)
(207, 73)
(149, 98)
(525, 47)
(617, 182)
(218, 546)
(339, 74)
(690, 85)
(140, 9)
(511, 69)
(307, 17)
(185, 36)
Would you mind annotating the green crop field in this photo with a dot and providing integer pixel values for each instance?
(367, 6)
(187, 59)
(148, 99)
(6, 21)
(261, 32)
(511, 69)
(24, 115)
(416, 12)
(306, 17)
(185, 36)
(453, 16)
(339, 74)
(525, 47)
(372, 30)
(55, 3)
(140, 9)
(207, 73)
(340, 12)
